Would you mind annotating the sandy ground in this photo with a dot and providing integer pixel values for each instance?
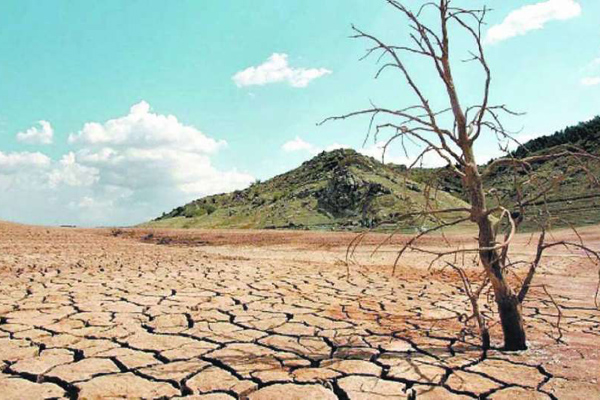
(273, 315)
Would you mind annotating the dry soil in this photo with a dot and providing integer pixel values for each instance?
(275, 315)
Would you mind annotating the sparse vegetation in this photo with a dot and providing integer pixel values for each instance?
(576, 198)
(341, 189)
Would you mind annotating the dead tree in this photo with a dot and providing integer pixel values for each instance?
(450, 131)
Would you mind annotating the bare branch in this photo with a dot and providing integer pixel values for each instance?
(538, 256)
(474, 300)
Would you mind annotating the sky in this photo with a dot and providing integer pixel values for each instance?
(114, 112)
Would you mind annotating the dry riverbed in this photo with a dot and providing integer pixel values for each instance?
(273, 315)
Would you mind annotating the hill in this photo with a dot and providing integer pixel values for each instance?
(575, 198)
(341, 189)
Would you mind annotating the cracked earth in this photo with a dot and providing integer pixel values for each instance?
(268, 315)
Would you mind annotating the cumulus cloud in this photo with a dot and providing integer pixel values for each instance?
(35, 135)
(11, 162)
(121, 171)
(590, 81)
(144, 129)
(145, 150)
(275, 70)
(69, 172)
(532, 17)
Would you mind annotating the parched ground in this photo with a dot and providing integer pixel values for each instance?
(273, 315)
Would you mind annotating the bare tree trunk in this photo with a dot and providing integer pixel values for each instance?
(509, 306)
(512, 322)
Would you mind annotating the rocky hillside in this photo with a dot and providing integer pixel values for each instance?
(341, 189)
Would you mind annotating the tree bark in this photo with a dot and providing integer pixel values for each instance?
(509, 306)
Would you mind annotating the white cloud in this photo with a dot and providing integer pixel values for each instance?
(122, 171)
(591, 81)
(144, 129)
(71, 173)
(35, 135)
(532, 17)
(298, 144)
(11, 162)
(145, 150)
(276, 69)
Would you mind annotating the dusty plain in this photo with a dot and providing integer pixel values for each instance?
(91, 314)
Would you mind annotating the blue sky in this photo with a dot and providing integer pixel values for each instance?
(149, 104)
